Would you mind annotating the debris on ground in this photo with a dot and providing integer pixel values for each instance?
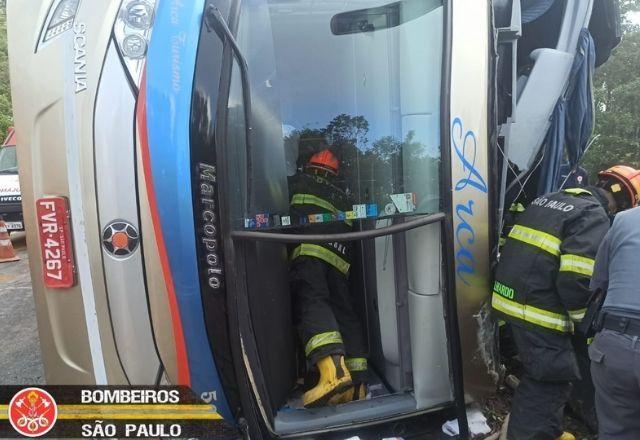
(497, 407)
(476, 420)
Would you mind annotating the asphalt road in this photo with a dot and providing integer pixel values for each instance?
(20, 359)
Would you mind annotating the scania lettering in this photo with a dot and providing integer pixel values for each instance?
(177, 158)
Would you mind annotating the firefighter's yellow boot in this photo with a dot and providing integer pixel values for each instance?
(566, 436)
(334, 379)
(353, 393)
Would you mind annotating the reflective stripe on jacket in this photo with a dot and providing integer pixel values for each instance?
(542, 279)
(312, 195)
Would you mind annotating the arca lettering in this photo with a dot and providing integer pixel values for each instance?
(471, 184)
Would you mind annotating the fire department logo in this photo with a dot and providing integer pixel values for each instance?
(120, 238)
(33, 412)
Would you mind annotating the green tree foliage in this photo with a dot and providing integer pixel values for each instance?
(6, 118)
(617, 103)
(370, 170)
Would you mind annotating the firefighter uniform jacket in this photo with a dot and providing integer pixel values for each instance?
(318, 201)
(542, 279)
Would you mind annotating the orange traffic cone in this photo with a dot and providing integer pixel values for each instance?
(6, 248)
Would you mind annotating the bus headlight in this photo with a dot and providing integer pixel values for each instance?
(132, 31)
(59, 20)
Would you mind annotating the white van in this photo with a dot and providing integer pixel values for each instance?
(10, 197)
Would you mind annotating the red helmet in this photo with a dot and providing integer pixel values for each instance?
(326, 161)
(624, 179)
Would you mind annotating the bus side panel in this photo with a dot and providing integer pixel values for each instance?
(470, 190)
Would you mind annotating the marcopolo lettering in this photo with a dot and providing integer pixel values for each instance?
(503, 290)
(210, 226)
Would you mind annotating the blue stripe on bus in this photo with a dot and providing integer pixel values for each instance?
(170, 69)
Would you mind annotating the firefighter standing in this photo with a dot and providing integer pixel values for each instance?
(323, 306)
(615, 351)
(541, 288)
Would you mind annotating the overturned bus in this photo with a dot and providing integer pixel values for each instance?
(158, 139)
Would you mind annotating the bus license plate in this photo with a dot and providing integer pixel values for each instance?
(55, 242)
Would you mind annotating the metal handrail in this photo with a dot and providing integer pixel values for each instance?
(346, 236)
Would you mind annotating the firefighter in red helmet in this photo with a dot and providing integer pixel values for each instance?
(624, 183)
(541, 288)
(328, 326)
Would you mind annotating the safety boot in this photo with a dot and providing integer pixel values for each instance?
(353, 393)
(334, 379)
(566, 436)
